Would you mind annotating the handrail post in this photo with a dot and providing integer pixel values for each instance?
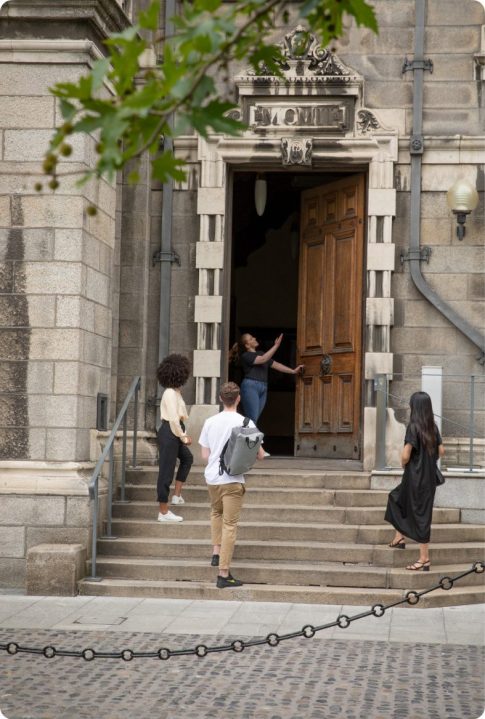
(472, 418)
(93, 577)
(380, 386)
(109, 534)
(135, 426)
(123, 460)
(94, 483)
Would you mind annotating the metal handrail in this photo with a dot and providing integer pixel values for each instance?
(382, 395)
(109, 450)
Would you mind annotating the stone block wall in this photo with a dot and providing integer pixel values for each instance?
(56, 283)
(55, 339)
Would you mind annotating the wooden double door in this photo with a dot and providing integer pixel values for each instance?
(328, 393)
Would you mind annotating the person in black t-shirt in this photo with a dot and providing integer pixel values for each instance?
(255, 365)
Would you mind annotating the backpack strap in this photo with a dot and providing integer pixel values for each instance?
(246, 421)
(222, 464)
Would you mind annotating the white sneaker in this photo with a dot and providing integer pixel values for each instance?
(177, 500)
(169, 517)
(267, 454)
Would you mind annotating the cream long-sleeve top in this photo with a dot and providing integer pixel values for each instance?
(173, 410)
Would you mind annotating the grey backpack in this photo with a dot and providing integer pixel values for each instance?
(239, 453)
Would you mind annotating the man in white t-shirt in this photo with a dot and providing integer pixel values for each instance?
(226, 491)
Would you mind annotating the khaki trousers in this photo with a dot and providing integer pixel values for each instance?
(226, 503)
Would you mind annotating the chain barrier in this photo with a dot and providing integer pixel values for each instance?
(343, 621)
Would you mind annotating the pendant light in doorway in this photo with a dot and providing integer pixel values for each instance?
(260, 194)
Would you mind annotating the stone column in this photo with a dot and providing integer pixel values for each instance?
(211, 202)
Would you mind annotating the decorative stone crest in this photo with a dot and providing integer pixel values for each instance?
(303, 55)
(296, 151)
(367, 121)
(301, 45)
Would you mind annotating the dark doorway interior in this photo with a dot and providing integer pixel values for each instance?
(264, 286)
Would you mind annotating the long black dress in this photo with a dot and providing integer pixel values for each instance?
(410, 504)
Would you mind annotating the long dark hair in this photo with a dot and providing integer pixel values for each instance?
(237, 349)
(422, 419)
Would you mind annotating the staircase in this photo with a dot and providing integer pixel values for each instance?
(305, 536)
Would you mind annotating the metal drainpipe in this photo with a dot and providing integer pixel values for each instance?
(416, 149)
(166, 256)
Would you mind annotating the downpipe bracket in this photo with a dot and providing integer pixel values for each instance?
(410, 65)
(161, 256)
(422, 255)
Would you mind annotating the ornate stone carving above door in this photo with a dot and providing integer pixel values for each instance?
(296, 151)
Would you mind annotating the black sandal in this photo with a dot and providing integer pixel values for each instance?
(419, 566)
(400, 544)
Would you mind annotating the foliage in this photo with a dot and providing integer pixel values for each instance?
(137, 112)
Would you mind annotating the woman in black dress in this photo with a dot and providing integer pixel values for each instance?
(410, 505)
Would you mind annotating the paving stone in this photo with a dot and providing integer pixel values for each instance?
(295, 680)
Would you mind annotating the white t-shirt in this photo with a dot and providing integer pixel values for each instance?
(215, 433)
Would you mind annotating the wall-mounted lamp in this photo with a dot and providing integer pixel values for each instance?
(462, 199)
(260, 194)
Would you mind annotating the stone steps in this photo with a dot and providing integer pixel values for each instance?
(273, 531)
(274, 593)
(255, 478)
(272, 513)
(325, 574)
(381, 556)
(276, 495)
(317, 537)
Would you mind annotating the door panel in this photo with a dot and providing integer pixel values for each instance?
(330, 320)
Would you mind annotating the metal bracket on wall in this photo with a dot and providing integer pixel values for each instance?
(160, 256)
(424, 64)
(423, 255)
(153, 401)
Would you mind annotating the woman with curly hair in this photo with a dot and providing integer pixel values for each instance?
(173, 441)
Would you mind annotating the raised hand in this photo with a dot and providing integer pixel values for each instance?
(277, 341)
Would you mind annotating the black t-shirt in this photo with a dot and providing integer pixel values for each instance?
(255, 371)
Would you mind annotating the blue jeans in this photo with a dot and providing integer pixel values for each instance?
(253, 395)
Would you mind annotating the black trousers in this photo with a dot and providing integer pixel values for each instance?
(171, 449)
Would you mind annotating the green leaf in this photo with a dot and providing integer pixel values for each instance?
(99, 72)
(166, 166)
(68, 110)
(133, 177)
(149, 19)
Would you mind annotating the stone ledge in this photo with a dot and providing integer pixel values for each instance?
(462, 490)
(60, 478)
(55, 569)
(103, 16)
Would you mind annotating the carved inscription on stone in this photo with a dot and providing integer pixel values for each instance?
(331, 116)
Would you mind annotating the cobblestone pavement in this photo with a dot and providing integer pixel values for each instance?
(299, 679)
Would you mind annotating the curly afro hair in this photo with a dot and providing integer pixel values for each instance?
(173, 371)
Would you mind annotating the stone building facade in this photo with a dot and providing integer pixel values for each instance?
(80, 295)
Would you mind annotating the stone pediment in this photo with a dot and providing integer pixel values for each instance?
(315, 93)
(303, 62)
(304, 57)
